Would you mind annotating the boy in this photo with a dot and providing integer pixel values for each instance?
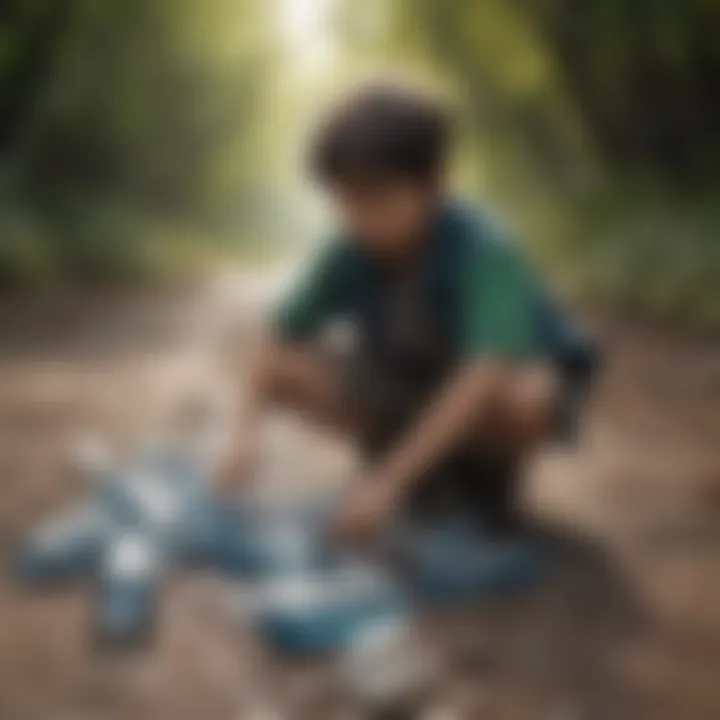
(454, 362)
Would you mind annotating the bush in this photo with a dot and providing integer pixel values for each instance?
(655, 256)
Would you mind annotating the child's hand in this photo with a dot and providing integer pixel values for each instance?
(236, 469)
(366, 511)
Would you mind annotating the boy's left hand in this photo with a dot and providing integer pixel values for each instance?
(366, 510)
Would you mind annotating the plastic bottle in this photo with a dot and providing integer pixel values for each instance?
(322, 611)
(63, 547)
(127, 591)
(386, 670)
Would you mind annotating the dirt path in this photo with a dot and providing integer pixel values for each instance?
(630, 620)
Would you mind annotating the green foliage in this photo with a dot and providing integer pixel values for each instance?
(119, 118)
(94, 242)
(136, 133)
(564, 102)
(648, 252)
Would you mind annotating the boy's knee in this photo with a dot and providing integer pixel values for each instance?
(279, 369)
(529, 405)
(523, 411)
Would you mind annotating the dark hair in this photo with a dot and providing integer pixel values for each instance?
(382, 131)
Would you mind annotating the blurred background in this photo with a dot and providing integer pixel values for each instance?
(138, 138)
(152, 199)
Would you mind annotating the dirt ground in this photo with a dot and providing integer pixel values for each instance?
(627, 625)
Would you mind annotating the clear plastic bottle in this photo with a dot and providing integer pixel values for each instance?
(130, 575)
(63, 547)
(323, 611)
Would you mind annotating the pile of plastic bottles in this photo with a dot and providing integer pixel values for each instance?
(156, 513)
(142, 518)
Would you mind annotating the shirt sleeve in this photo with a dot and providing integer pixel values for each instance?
(497, 302)
(312, 297)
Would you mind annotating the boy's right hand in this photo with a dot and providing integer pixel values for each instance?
(236, 469)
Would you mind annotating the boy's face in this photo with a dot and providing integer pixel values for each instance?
(388, 218)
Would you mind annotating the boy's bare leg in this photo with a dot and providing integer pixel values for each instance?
(300, 377)
(524, 413)
(514, 430)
